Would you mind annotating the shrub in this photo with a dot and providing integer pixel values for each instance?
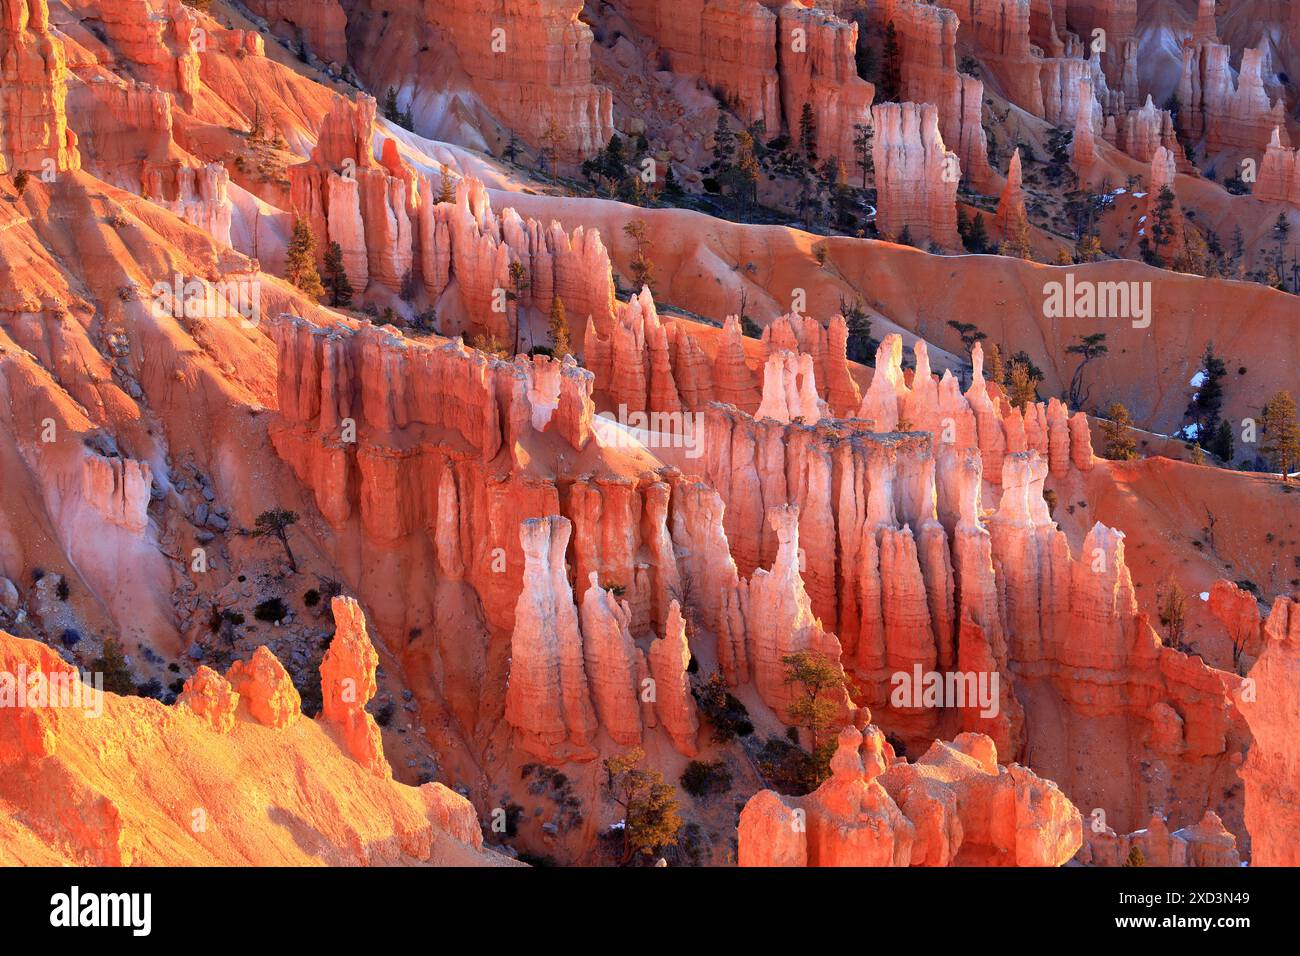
(514, 813)
(702, 778)
(787, 768)
(728, 715)
(112, 664)
(311, 598)
(70, 637)
(62, 590)
(271, 610)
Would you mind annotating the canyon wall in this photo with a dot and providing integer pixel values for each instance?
(1232, 116)
(33, 91)
(927, 39)
(535, 72)
(320, 25)
(1273, 765)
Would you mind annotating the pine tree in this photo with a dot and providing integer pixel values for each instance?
(1206, 404)
(978, 239)
(891, 72)
(808, 133)
(510, 152)
(612, 161)
(559, 326)
(862, 137)
(1089, 247)
(1281, 232)
(1171, 608)
(447, 189)
(1021, 387)
(746, 169)
(336, 277)
(1162, 230)
(861, 347)
(1281, 433)
(391, 112)
(1019, 242)
(1120, 445)
(995, 369)
(518, 279)
(552, 141)
(643, 270)
(300, 261)
(724, 144)
(1221, 445)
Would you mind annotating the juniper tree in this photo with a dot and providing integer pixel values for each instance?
(1088, 348)
(275, 523)
(650, 818)
(817, 678)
